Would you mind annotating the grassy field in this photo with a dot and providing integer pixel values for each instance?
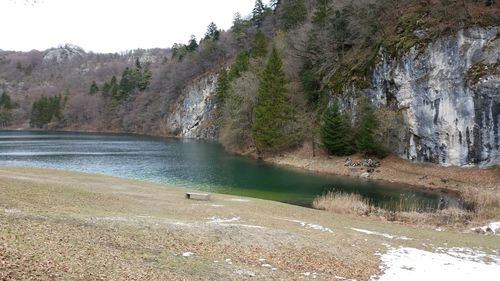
(65, 225)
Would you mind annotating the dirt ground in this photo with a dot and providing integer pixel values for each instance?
(63, 225)
(395, 169)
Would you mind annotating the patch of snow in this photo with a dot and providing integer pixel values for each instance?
(413, 264)
(381, 234)
(245, 272)
(217, 206)
(493, 228)
(242, 225)
(469, 254)
(187, 254)
(226, 222)
(239, 200)
(222, 220)
(267, 265)
(313, 226)
(12, 211)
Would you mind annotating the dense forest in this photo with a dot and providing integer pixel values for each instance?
(279, 71)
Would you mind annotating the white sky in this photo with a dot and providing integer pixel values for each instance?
(111, 25)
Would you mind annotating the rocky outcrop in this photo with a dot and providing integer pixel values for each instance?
(193, 114)
(62, 54)
(449, 96)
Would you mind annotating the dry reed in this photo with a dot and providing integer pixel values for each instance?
(408, 211)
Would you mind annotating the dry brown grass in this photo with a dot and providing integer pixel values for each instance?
(485, 203)
(342, 203)
(355, 204)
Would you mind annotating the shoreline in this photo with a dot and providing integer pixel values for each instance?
(419, 176)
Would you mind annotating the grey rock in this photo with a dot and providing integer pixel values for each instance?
(447, 120)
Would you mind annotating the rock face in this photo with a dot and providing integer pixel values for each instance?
(193, 114)
(62, 54)
(450, 105)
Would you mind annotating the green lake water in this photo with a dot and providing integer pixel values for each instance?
(190, 163)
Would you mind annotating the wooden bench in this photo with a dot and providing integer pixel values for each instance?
(198, 196)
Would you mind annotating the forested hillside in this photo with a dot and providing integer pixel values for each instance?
(292, 71)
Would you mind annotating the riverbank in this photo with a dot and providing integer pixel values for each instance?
(66, 225)
(394, 169)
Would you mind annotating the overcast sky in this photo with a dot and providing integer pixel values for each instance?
(111, 25)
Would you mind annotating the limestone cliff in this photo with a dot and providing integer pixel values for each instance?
(192, 115)
(449, 97)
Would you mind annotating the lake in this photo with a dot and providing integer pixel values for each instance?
(189, 163)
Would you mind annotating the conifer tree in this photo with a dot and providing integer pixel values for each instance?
(239, 29)
(146, 75)
(192, 45)
(126, 83)
(239, 66)
(259, 45)
(105, 89)
(293, 13)
(222, 87)
(271, 113)
(114, 89)
(258, 13)
(212, 32)
(334, 131)
(5, 101)
(93, 88)
(322, 12)
(366, 142)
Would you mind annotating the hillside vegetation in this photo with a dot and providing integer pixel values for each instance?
(278, 69)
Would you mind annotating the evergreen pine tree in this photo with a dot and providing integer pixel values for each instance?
(192, 45)
(365, 141)
(334, 131)
(93, 88)
(271, 113)
(222, 87)
(239, 30)
(114, 89)
(145, 78)
(127, 83)
(311, 85)
(105, 89)
(323, 10)
(239, 66)
(293, 13)
(5, 101)
(212, 32)
(258, 13)
(259, 45)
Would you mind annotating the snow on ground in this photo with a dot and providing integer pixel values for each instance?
(411, 264)
(313, 226)
(227, 222)
(381, 234)
(222, 220)
(493, 228)
(239, 200)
